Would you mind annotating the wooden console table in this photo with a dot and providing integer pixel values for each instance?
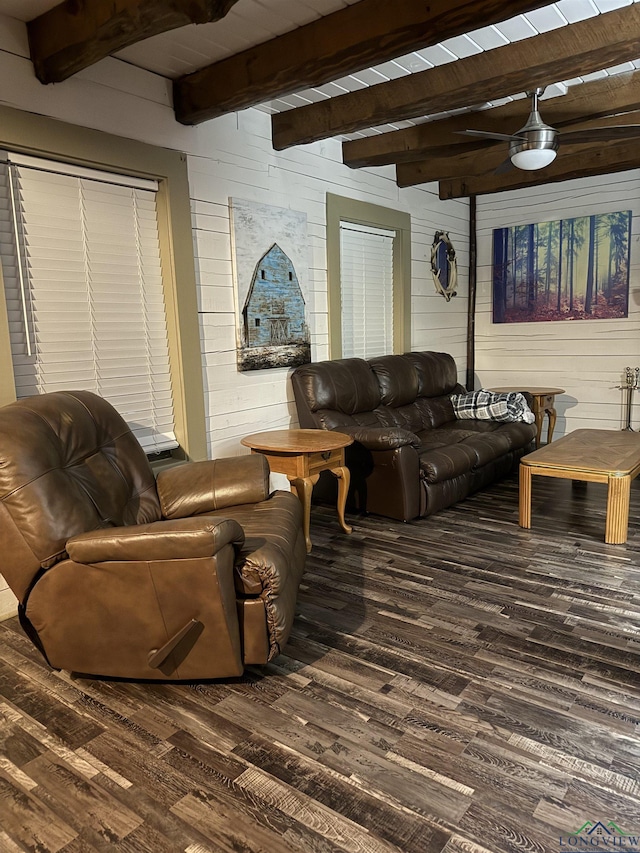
(543, 404)
(594, 456)
(302, 454)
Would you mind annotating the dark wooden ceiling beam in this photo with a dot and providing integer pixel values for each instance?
(578, 161)
(356, 37)
(600, 98)
(78, 33)
(466, 165)
(414, 143)
(461, 162)
(579, 48)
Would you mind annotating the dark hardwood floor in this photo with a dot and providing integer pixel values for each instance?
(453, 685)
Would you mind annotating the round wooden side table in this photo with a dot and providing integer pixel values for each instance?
(302, 454)
(543, 403)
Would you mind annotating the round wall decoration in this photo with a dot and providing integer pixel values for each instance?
(444, 267)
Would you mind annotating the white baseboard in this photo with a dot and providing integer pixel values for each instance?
(8, 604)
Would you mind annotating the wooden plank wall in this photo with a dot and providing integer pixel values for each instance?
(247, 167)
(232, 157)
(585, 357)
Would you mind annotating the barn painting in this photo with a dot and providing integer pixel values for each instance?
(274, 312)
(273, 329)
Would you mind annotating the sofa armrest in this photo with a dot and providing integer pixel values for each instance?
(393, 487)
(199, 487)
(178, 539)
(381, 438)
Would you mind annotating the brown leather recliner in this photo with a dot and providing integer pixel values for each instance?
(193, 576)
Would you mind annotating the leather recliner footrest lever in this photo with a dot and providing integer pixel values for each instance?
(158, 656)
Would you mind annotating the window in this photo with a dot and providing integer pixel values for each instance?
(83, 284)
(167, 170)
(369, 262)
(366, 290)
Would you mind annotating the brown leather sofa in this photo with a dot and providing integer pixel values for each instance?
(411, 456)
(193, 576)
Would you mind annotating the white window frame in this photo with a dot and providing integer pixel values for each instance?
(341, 209)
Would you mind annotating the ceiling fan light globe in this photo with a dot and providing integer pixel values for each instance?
(531, 159)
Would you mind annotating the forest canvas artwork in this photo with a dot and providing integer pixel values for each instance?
(569, 269)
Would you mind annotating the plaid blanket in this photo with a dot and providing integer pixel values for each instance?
(489, 406)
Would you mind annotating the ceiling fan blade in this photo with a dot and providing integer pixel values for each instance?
(601, 134)
(486, 134)
(504, 167)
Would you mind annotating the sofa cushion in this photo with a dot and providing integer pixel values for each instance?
(397, 379)
(488, 447)
(347, 385)
(435, 412)
(518, 434)
(436, 372)
(382, 438)
(334, 420)
(438, 464)
(446, 449)
(409, 417)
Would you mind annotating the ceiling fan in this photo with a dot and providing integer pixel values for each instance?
(535, 145)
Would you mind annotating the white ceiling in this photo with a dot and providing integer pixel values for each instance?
(252, 22)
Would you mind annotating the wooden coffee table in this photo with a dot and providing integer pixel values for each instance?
(302, 454)
(593, 455)
(543, 404)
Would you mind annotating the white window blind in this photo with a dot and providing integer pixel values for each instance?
(81, 265)
(366, 284)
